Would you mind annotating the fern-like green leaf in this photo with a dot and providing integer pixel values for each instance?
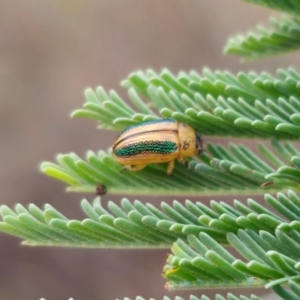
(137, 225)
(283, 37)
(244, 170)
(203, 263)
(289, 6)
(214, 103)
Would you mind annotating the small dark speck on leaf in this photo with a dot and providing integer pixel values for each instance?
(101, 189)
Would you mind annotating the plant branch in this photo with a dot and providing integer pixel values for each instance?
(138, 225)
(282, 38)
(214, 103)
(291, 7)
(244, 172)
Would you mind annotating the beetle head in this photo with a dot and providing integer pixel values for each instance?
(199, 146)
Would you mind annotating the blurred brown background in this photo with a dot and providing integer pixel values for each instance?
(49, 52)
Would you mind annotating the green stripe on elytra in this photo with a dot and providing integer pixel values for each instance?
(147, 123)
(158, 147)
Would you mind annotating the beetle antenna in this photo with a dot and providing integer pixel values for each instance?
(216, 163)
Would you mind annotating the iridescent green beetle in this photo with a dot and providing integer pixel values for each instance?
(157, 141)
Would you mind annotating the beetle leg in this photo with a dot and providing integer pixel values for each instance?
(133, 168)
(185, 162)
(187, 165)
(170, 167)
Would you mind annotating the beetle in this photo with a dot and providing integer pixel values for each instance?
(156, 141)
